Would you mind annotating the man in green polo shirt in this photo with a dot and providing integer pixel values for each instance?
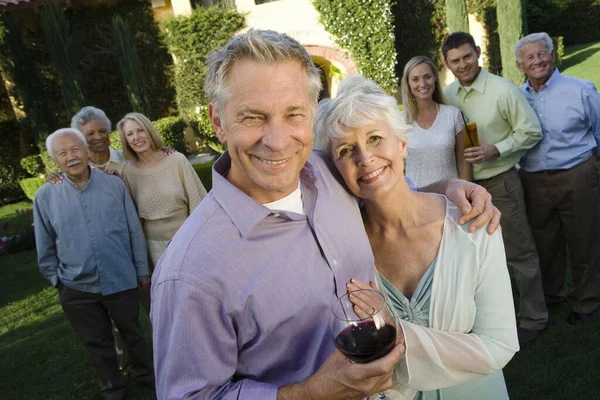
(507, 127)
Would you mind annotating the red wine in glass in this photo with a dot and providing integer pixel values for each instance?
(363, 326)
(365, 342)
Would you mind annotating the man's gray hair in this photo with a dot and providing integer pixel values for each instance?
(532, 38)
(62, 132)
(87, 114)
(263, 46)
(359, 102)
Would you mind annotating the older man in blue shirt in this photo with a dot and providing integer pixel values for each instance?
(91, 248)
(560, 177)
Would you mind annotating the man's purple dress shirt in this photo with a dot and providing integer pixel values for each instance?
(241, 298)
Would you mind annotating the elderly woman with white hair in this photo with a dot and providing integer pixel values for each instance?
(165, 188)
(96, 128)
(449, 286)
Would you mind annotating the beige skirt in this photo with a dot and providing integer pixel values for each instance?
(155, 249)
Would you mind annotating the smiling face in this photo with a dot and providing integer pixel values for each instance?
(136, 136)
(267, 126)
(70, 156)
(422, 81)
(96, 135)
(464, 63)
(536, 61)
(370, 159)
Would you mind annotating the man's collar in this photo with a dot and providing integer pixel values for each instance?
(551, 81)
(74, 185)
(478, 84)
(244, 211)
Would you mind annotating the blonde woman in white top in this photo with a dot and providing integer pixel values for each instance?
(436, 146)
(449, 284)
(165, 188)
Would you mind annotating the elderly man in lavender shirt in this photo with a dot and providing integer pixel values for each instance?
(560, 177)
(241, 298)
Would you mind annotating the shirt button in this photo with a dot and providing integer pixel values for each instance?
(335, 263)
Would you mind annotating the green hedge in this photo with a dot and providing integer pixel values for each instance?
(419, 29)
(457, 16)
(171, 130)
(102, 80)
(512, 26)
(366, 29)
(30, 186)
(190, 39)
(204, 172)
(576, 20)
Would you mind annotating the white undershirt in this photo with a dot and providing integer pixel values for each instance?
(292, 202)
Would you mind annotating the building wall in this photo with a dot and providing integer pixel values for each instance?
(300, 20)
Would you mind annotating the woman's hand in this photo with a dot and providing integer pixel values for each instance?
(367, 303)
(114, 172)
(54, 178)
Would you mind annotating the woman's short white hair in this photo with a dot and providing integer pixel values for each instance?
(534, 37)
(263, 46)
(61, 132)
(87, 114)
(359, 102)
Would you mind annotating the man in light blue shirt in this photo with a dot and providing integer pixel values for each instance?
(560, 177)
(91, 247)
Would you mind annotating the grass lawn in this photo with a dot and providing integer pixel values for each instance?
(40, 356)
(583, 61)
(42, 359)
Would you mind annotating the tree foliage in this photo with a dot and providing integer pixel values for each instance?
(64, 52)
(191, 39)
(512, 26)
(366, 29)
(457, 16)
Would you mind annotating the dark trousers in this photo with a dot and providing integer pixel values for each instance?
(90, 316)
(563, 210)
(521, 254)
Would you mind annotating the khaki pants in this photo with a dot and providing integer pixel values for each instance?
(563, 209)
(521, 254)
(89, 316)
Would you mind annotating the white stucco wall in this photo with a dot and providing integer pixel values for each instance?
(296, 18)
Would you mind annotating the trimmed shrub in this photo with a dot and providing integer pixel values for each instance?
(171, 130)
(457, 16)
(419, 29)
(204, 172)
(30, 186)
(366, 29)
(10, 152)
(559, 49)
(512, 26)
(575, 20)
(115, 141)
(33, 164)
(191, 38)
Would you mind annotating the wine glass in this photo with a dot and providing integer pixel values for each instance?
(363, 326)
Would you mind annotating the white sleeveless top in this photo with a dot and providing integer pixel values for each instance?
(431, 154)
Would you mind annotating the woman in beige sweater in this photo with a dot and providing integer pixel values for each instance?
(165, 188)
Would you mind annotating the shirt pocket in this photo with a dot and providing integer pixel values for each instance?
(113, 220)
